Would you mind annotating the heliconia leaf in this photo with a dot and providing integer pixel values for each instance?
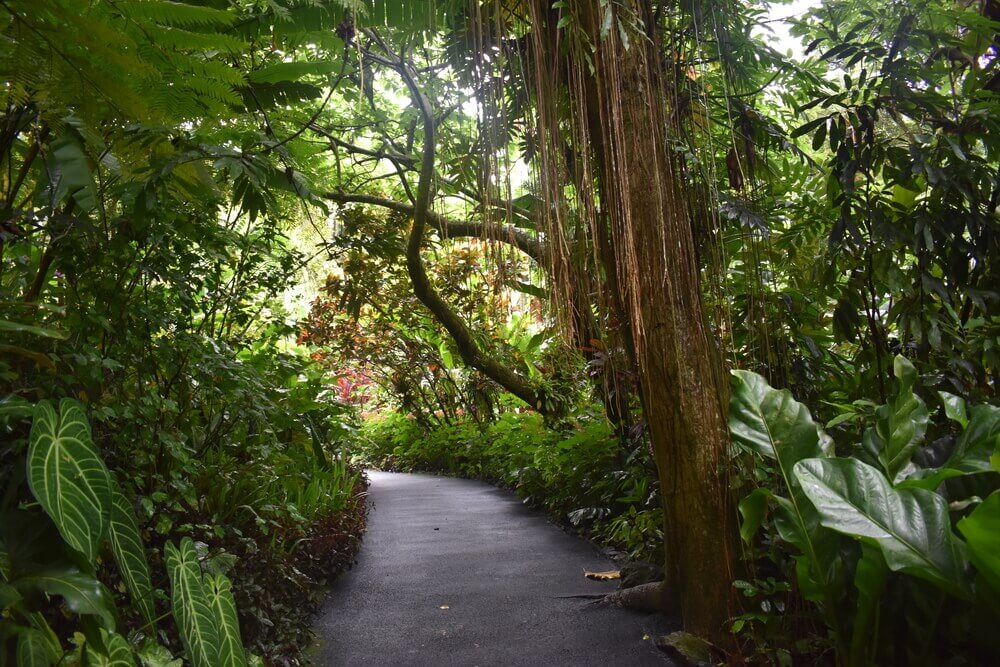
(978, 441)
(220, 595)
(192, 609)
(68, 477)
(81, 592)
(34, 649)
(981, 530)
(130, 554)
(900, 424)
(910, 526)
(119, 653)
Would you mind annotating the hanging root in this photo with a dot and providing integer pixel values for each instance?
(646, 597)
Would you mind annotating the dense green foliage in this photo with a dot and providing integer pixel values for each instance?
(581, 473)
(178, 427)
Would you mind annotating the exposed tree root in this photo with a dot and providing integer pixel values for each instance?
(646, 597)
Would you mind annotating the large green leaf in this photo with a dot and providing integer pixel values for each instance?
(68, 477)
(981, 530)
(69, 170)
(978, 441)
(773, 424)
(910, 526)
(192, 609)
(119, 653)
(13, 409)
(82, 593)
(220, 595)
(34, 649)
(31, 329)
(130, 554)
(900, 424)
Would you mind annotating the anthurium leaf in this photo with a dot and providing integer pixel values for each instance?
(954, 408)
(910, 526)
(192, 609)
(928, 478)
(68, 477)
(773, 424)
(34, 649)
(130, 554)
(978, 441)
(900, 424)
(82, 593)
(870, 577)
(981, 530)
(118, 654)
(220, 595)
(752, 509)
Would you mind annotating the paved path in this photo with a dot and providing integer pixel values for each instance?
(457, 572)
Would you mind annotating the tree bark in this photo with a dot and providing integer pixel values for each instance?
(654, 260)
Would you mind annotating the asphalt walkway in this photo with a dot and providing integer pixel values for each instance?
(458, 572)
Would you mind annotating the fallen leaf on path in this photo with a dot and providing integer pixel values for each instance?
(607, 575)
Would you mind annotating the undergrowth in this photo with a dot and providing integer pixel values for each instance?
(582, 474)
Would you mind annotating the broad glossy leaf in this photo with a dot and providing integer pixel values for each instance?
(69, 170)
(119, 652)
(82, 593)
(68, 477)
(869, 580)
(910, 526)
(34, 649)
(772, 423)
(220, 595)
(954, 408)
(192, 609)
(901, 423)
(981, 530)
(978, 441)
(752, 509)
(130, 553)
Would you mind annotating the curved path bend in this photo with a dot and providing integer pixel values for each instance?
(458, 572)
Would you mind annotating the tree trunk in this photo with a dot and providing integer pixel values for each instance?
(684, 393)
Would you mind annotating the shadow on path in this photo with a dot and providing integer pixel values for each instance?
(458, 572)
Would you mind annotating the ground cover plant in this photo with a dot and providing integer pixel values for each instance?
(716, 288)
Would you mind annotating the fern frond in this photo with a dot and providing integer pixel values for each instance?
(177, 14)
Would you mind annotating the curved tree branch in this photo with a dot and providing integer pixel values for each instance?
(422, 287)
(451, 228)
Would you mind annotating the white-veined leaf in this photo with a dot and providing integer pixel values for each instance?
(130, 553)
(220, 595)
(68, 477)
(192, 610)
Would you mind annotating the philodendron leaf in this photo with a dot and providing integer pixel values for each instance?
(68, 477)
(220, 595)
(981, 530)
(34, 649)
(130, 554)
(119, 653)
(82, 593)
(192, 609)
(900, 424)
(910, 526)
(978, 441)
